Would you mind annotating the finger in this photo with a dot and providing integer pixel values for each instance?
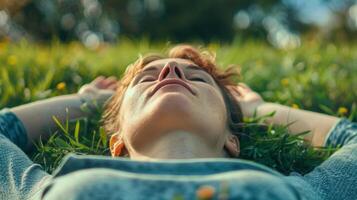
(239, 91)
(98, 79)
(108, 82)
(113, 87)
(244, 90)
(102, 84)
(99, 82)
(86, 89)
(111, 80)
(234, 90)
(245, 86)
(236, 94)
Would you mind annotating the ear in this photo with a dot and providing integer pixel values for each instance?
(117, 146)
(232, 145)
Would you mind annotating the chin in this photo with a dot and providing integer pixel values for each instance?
(173, 100)
(173, 108)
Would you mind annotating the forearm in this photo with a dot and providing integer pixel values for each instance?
(300, 120)
(37, 116)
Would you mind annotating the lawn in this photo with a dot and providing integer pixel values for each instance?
(318, 76)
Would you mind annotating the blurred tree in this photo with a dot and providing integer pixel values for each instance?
(68, 20)
(186, 19)
(12, 6)
(180, 20)
(95, 21)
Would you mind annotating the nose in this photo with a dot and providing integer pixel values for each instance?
(171, 70)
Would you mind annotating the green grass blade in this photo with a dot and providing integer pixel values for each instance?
(76, 131)
(60, 125)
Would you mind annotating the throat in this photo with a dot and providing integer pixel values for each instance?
(176, 145)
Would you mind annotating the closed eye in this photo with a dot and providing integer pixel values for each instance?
(198, 79)
(147, 80)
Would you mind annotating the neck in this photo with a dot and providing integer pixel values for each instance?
(176, 145)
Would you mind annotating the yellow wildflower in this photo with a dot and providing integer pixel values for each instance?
(205, 192)
(12, 60)
(61, 86)
(342, 110)
(294, 105)
(284, 82)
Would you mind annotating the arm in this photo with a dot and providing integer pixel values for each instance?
(37, 117)
(336, 177)
(20, 178)
(300, 120)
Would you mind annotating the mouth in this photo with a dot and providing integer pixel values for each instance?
(171, 81)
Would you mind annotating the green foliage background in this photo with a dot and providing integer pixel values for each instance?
(318, 76)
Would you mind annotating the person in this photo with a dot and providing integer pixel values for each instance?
(175, 126)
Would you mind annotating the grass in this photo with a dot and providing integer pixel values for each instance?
(318, 76)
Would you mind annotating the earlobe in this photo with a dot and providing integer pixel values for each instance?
(116, 145)
(232, 145)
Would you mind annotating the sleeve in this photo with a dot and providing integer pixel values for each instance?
(12, 128)
(20, 178)
(343, 133)
(336, 178)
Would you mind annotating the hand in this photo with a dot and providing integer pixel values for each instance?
(98, 91)
(247, 98)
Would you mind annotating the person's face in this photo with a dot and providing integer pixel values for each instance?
(173, 95)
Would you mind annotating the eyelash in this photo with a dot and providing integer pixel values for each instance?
(192, 79)
(147, 79)
(198, 79)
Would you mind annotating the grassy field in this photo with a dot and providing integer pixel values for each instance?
(318, 76)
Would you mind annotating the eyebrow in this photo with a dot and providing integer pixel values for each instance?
(153, 68)
(195, 67)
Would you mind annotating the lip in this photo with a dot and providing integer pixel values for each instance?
(171, 81)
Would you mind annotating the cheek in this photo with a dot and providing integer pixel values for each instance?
(215, 114)
(214, 101)
(132, 102)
